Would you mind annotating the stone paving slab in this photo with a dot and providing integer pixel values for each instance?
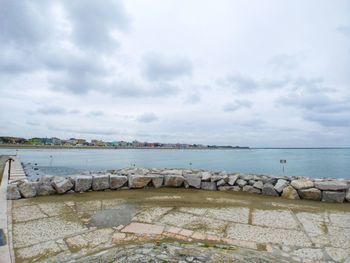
(64, 228)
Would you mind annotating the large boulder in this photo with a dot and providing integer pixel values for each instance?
(219, 176)
(100, 182)
(221, 182)
(139, 181)
(173, 180)
(193, 180)
(13, 192)
(45, 189)
(310, 194)
(251, 189)
(333, 185)
(157, 180)
(290, 193)
(82, 183)
(258, 185)
(280, 185)
(61, 184)
(333, 196)
(268, 189)
(117, 181)
(211, 186)
(241, 182)
(232, 179)
(172, 172)
(302, 184)
(206, 176)
(27, 189)
(347, 196)
(246, 177)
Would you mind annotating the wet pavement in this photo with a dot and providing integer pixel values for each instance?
(169, 225)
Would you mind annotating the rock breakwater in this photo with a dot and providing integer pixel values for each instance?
(326, 190)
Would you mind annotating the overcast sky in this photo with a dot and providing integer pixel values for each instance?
(255, 73)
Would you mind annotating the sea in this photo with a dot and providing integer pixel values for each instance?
(317, 163)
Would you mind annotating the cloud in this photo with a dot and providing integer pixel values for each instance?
(237, 105)
(160, 68)
(96, 114)
(284, 61)
(51, 110)
(147, 117)
(329, 119)
(344, 30)
(93, 23)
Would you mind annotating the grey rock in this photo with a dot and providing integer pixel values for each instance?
(268, 189)
(302, 184)
(117, 181)
(28, 189)
(241, 182)
(209, 186)
(172, 172)
(236, 188)
(137, 171)
(173, 180)
(139, 181)
(289, 192)
(251, 182)
(225, 188)
(218, 177)
(281, 184)
(310, 194)
(100, 182)
(269, 180)
(232, 179)
(246, 177)
(258, 185)
(333, 196)
(331, 185)
(45, 189)
(13, 192)
(193, 180)
(61, 184)
(221, 182)
(251, 189)
(157, 180)
(347, 196)
(82, 183)
(206, 176)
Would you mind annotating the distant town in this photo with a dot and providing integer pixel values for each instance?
(82, 143)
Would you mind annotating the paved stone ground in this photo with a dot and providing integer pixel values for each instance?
(174, 225)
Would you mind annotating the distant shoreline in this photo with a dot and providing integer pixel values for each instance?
(19, 146)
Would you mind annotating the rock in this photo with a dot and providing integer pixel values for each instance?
(258, 185)
(241, 182)
(347, 196)
(137, 171)
(331, 185)
(246, 177)
(310, 194)
(221, 182)
(302, 184)
(236, 188)
(290, 193)
(172, 172)
(268, 189)
(82, 183)
(45, 189)
(139, 181)
(117, 181)
(173, 180)
(13, 192)
(209, 186)
(268, 180)
(218, 177)
(232, 179)
(193, 180)
(333, 197)
(157, 180)
(251, 182)
(100, 182)
(61, 184)
(206, 176)
(28, 189)
(251, 189)
(280, 185)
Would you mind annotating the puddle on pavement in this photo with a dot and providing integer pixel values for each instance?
(113, 217)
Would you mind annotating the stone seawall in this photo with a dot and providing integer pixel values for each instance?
(326, 190)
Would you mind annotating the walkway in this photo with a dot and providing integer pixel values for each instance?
(17, 172)
(169, 225)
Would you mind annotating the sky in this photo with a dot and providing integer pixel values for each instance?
(229, 72)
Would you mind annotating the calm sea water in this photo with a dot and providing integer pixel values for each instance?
(300, 162)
